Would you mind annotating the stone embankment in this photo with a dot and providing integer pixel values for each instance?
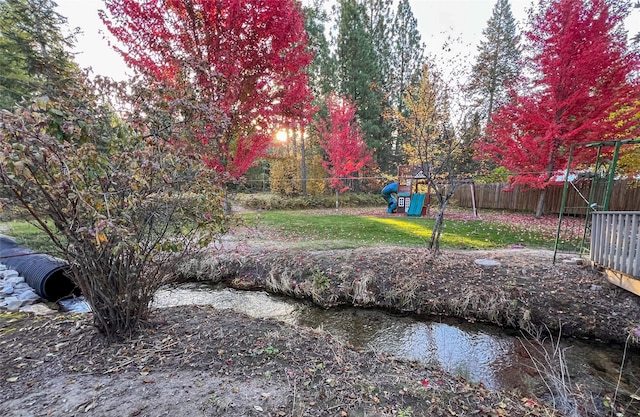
(17, 295)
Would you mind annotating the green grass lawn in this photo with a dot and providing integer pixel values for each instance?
(356, 231)
(349, 231)
(28, 235)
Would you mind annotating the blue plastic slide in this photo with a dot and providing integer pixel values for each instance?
(417, 202)
(387, 194)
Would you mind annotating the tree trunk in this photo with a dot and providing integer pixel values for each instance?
(303, 165)
(492, 87)
(336, 199)
(434, 243)
(226, 204)
(444, 196)
(294, 144)
(543, 192)
(540, 205)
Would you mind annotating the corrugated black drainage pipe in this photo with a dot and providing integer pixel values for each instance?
(44, 273)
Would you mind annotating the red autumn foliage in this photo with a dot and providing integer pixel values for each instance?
(578, 94)
(342, 139)
(235, 68)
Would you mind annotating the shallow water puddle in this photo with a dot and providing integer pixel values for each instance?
(475, 354)
(478, 352)
(252, 303)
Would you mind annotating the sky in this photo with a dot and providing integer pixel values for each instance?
(437, 20)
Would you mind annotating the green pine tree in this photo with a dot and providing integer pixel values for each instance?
(407, 57)
(361, 78)
(322, 70)
(33, 51)
(498, 62)
(379, 26)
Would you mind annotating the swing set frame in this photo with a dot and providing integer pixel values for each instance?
(591, 204)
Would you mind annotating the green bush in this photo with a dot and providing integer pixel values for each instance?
(269, 201)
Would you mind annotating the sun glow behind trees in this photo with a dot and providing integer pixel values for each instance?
(449, 28)
(231, 69)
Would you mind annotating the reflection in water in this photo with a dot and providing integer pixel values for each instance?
(468, 354)
(474, 354)
(478, 352)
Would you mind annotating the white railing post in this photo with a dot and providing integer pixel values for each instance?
(615, 241)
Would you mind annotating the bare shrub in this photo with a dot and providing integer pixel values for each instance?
(403, 291)
(571, 399)
(551, 365)
(360, 291)
(635, 333)
(118, 206)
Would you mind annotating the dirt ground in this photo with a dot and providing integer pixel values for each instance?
(198, 361)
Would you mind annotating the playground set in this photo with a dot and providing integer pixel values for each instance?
(402, 196)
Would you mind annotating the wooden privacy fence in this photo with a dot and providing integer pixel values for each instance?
(615, 245)
(625, 195)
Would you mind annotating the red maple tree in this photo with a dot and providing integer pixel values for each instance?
(342, 139)
(580, 85)
(231, 71)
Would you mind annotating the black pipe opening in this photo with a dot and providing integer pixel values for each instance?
(48, 276)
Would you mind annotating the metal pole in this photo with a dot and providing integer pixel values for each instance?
(473, 198)
(590, 204)
(612, 172)
(564, 199)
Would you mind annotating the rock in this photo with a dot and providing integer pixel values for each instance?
(573, 261)
(75, 305)
(39, 309)
(14, 279)
(21, 286)
(7, 289)
(487, 262)
(12, 303)
(14, 291)
(9, 273)
(28, 295)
